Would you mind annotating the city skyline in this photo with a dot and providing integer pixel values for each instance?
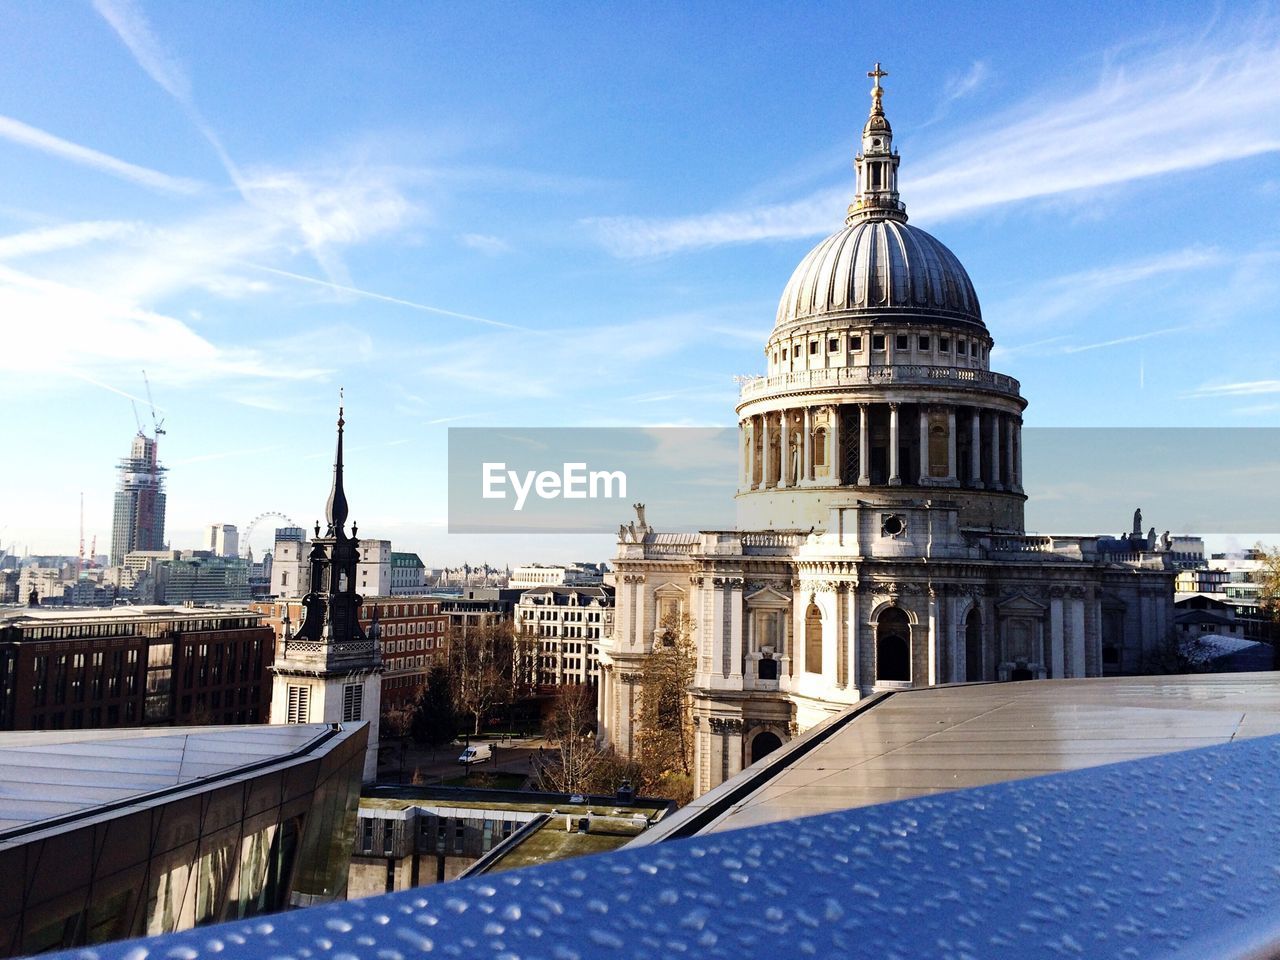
(257, 208)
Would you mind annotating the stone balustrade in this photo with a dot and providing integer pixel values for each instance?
(912, 374)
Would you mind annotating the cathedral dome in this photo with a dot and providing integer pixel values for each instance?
(878, 267)
(884, 267)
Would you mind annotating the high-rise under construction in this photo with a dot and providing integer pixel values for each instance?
(138, 521)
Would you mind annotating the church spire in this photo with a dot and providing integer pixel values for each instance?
(877, 164)
(336, 508)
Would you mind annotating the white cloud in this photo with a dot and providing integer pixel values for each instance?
(1145, 116)
(62, 237)
(97, 335)
(25, 135)
(1242, 388)
(964, 84)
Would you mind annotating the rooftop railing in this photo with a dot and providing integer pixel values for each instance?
(1169, 857)
(889, 374)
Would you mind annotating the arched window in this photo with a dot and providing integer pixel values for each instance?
(973, 665)
(820, 447)
(813, 639)
(893, 645)
(764, 744)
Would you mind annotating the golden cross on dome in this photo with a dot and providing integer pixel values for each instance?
(877, 108)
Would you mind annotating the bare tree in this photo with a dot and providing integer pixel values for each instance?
(573, 767)
(1268, 576)
(480, 669)
(665, 737)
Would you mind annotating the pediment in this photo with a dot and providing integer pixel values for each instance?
(768, 597)
(1020, 604)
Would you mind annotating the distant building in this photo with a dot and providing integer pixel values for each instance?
(557, 575)
(410, 837)
(568, 623)
(106, 835)
(330, 670)
(408, 574)
(413, 637)
(138, 518)
(1200, 580)
(288, 563)
(223, 539)
(480, 606)
(206, 579)
(373, 572)
(132, 666)
(46, 582)
(1200, 614)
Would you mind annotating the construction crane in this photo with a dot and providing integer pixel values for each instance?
(80, 559)
(158, 425)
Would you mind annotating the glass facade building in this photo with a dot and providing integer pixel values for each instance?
(112, 834)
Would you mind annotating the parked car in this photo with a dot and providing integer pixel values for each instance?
(476, 753)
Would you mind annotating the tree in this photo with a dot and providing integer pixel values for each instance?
(480, 662)
(665, 737)
(1268, 577)
(434, 723)
(573, 767)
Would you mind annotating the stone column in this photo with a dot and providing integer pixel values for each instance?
(1010, 481)
(975, 452)
(1057, 640)
(894, 479)
(806, 451)
(926, 471)
(995, 451)
(864, 447)
(951, 444)
(737, 629)
(851, 638)
(766, 461)
(784, 447)
(934, 627)
(744, 456)
(1017, 457)
(753, 434)
(833, 451)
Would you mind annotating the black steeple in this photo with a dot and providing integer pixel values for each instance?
(332, 606)
(336, 509)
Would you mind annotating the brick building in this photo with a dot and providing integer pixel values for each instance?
(132, 666)
(413, 630)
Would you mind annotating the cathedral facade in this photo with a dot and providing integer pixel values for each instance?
(880, 542)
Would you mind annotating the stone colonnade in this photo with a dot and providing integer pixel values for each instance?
(882, 444)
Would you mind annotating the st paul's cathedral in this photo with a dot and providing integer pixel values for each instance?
(880, 541)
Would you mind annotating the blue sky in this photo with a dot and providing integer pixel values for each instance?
(583, 215)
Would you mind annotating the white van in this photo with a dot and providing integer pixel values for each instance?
(476, 753)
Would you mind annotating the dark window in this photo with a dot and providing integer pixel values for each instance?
(893, 645)
(944, 344)
(973, 348)
(973, 667)
(834, 345)
(855, 343)
(877, 341)
(784, 353)
(813, 346)
(924, 342)
(900, 342)
(764, 744)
